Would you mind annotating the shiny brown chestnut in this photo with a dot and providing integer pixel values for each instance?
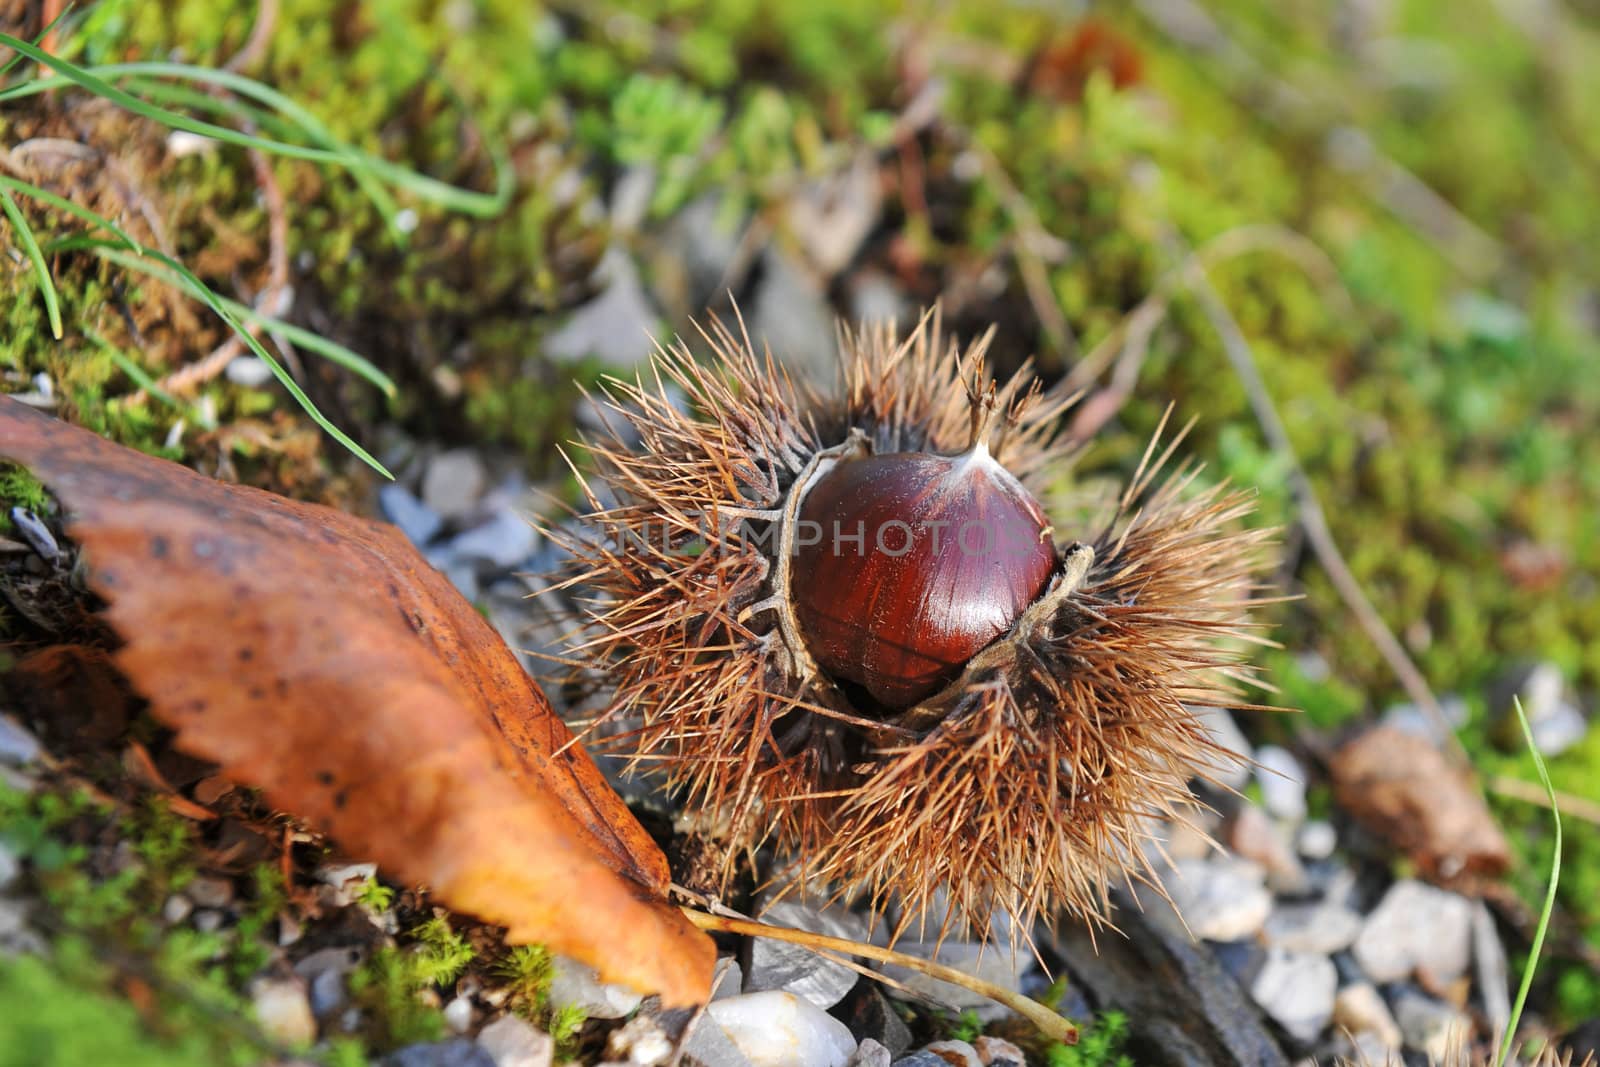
(908, 564)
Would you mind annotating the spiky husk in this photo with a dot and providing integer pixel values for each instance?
(1025, 786)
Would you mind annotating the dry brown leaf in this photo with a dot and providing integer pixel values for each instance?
(1403, 789)
(317, 656)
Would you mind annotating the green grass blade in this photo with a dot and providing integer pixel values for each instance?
(191, 284)
(41, 269)
(14, 60)
(466, 201)
(331, 350)
(1549, 893)
(140, 377)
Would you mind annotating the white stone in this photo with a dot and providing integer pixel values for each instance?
(1430, 1027)
(17, 746)
(778, 1029)
(871, 1053)
(1297, 989)
(574, 985)
(1220, 899)
(1415, 927)
(512, 1042)
(1225, 734)
(1316, 839)
(1360, 1009)
(640, 1041)
(458, 1014)
(1318, 928)
(283, 1012)
(1283, 783)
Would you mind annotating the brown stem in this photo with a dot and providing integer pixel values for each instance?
(1049, 1023)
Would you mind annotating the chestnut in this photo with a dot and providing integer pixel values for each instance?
(845, 625)
(908, 564)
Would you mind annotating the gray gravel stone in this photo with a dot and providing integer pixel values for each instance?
(1283, 783)
(1316, 839)
(616, 326)
(1360, 1009)
(416, 520)
(457, 1052)
(1554, 719)
(18, 747)
(997, 1052)
(1414, 720)
(36, 534)
(210, 892)
(780, 965)
(1220, 899)
(503, 542)
(282, 1010)
(920, 1058)
(993, 963)
(792, 315)
(1225, 733)
(1416, 927)
(1297, 989)
(1429, 1026)
(1255, 837)
(512, 1042)
(573, 984)
(709, 1045)
(457, 1014)
(1491, 972)
(453, 482)
(10, 867)
(955, 1053)
(1317, 928)
(871, 1054)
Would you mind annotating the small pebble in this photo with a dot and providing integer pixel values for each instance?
(997, 1051)
(345, 880)
(210, 892)
(1316, 928)
(955, 1053)
(416, 520)
(1429, 1026)
(871, 1054)
(1254, 836)
(640, 1041)
(574, 985)
(1222, 899)
(36, 533)
(453, 482)
(1225, 734)
(207, 920)
(1283, 783)
(10, 867)
(251, 372)
(512, 1042)
(920, 1058)
(17, 746)
(506, 540)
(1297, 989)
(778, 1029)
(1416, 927)
(177, 908)
(457, 1052)
(1360, 1009)
(282, 1011)
(780, 965)
(1316, 839)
